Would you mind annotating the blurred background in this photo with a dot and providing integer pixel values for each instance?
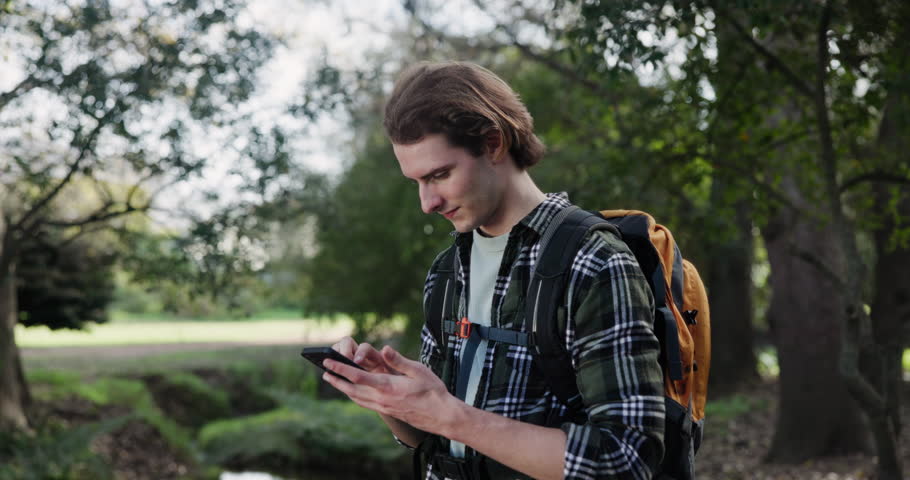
(192, 190)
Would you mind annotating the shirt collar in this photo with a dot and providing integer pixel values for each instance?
(537, 221)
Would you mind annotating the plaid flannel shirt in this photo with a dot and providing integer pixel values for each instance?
(609, 332)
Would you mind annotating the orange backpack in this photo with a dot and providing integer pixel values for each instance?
(687, 300)
(681, 321)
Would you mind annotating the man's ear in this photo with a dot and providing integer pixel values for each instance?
(494, 146)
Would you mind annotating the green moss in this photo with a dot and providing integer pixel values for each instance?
(128, 393)
(188, 399)
(56, 454)
(727, 408)
(305, 433)
(293, 375)
(52, 377)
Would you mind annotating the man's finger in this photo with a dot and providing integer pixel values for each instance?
(366, 352)
(355, 393)
(402, 364)
(345, 346)
(353, 374)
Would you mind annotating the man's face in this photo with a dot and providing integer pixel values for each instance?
(452, 182)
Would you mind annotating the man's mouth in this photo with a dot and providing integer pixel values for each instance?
(450, 213)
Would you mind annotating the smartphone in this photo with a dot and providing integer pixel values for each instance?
(318, 354)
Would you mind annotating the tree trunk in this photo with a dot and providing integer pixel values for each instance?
(817, 415)
(730, 249)
(729, 281)
(13, 389)
(890, 317)
(881, 355)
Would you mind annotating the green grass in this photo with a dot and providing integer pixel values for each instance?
(906, 360)
(84, 362)
(120, 316)
(113, 391)
(304, 432)
(728, 408)
(253, 331)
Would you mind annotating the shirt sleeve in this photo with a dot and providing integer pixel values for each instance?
(615, 354)
(428, 346)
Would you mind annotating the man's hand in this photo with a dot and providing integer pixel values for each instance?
(363, 354)
(393, 386)
(411, 395)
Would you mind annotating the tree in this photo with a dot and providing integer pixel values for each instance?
(375, 244)
(812, 55)
(64, 284)
(619, 141)
(107, 93)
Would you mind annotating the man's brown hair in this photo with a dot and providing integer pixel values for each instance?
(466, 103)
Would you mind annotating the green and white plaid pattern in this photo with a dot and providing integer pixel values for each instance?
(609, 332)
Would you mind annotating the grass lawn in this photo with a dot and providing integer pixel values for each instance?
(157, 332)
(90, 362)
(119, 316)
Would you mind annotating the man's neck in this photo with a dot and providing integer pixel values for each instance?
(520, 198)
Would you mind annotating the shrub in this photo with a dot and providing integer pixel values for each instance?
(56, 454)
(305, 434)
(187, 399)
(131, 394)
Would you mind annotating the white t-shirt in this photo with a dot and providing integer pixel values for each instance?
(486, 258)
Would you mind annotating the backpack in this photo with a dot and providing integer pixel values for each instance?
(681, 320)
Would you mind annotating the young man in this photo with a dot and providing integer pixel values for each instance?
(463, 136)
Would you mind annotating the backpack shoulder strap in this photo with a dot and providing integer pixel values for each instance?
(439, 308)
(549, 278)
(661, 262)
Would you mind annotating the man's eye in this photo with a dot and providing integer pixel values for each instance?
(441, 175)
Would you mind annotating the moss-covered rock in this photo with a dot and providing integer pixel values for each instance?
(187, 399)
(245, 392)
(306, 435)
(129, 394)
(56, 453)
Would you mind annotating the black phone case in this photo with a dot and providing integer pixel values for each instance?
(317, 354)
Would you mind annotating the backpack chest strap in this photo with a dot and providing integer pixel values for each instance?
(494, 334)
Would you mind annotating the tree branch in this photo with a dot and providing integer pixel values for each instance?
(876, 176)
(769, 189)
(723, 98)
(22, 87)
(547, 61)
(83, 231)
(101, 215)
(817, 262)
(83, 153)
(527, 51)
(798, 83)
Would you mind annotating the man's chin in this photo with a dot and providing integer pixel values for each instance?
(462, 228)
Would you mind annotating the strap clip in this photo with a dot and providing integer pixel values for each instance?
(689, 317)
(464, 328)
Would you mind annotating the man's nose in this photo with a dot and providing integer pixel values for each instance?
(430, 201)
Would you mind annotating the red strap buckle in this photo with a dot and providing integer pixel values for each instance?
(464, 327)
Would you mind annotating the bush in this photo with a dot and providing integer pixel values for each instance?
(188, 399)
(115, 391)
(56, 454)
(305, 434)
